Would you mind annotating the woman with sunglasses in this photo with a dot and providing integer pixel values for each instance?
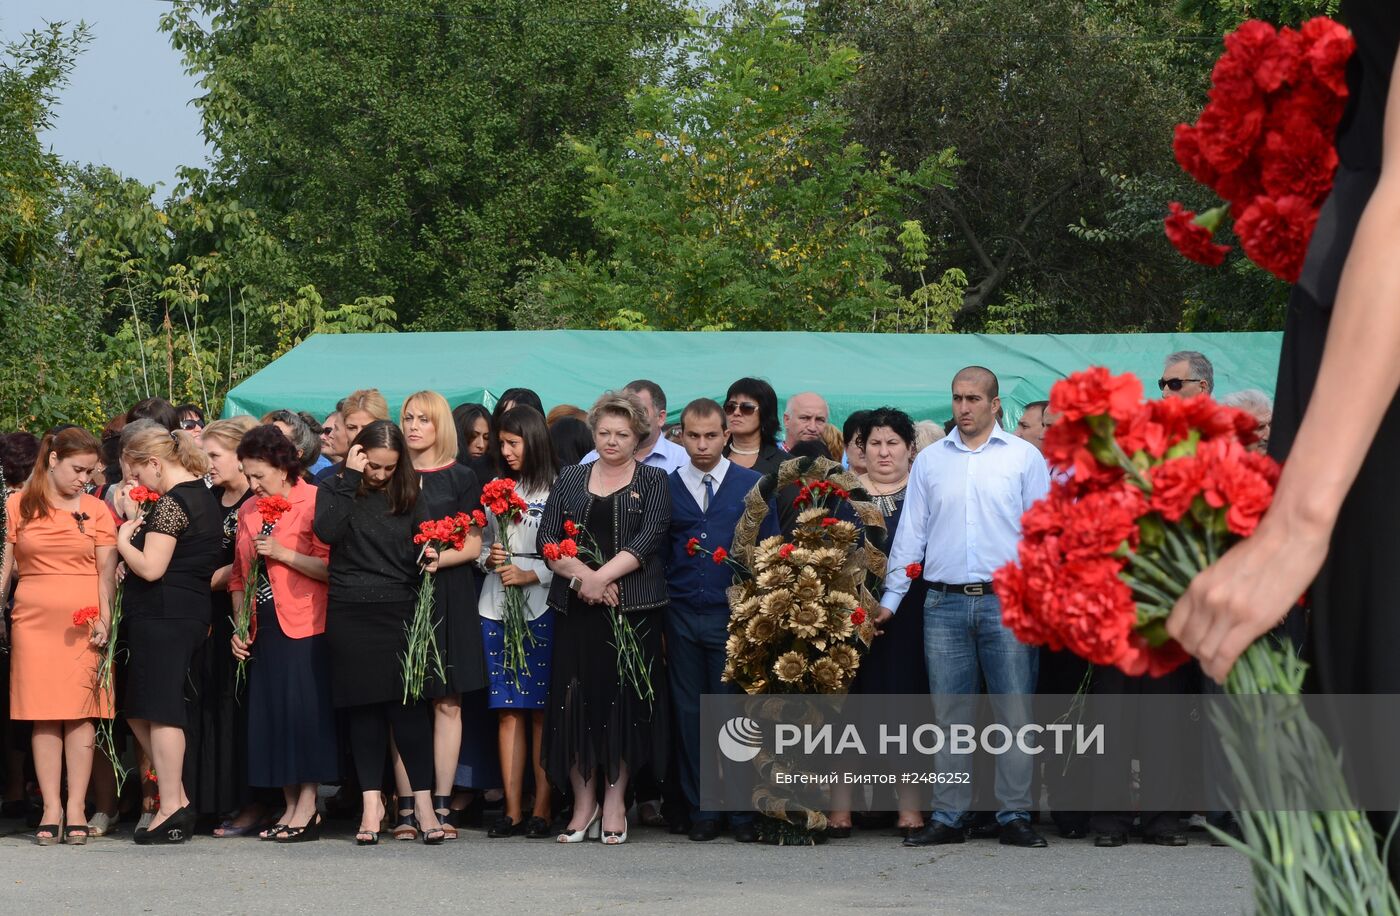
(751, 407)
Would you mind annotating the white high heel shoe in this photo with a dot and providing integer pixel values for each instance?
(589, 831)
(612, 838)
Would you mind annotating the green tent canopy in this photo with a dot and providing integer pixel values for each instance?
(852, 371)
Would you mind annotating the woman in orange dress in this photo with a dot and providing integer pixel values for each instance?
(61, 545)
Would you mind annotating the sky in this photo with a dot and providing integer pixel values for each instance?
(127, 104)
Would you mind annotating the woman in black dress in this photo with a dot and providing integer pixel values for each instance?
(596, 721)
(170, 556)
(1331, 531)
(291, 722)
(895, 663)
(368, 515)
(448, 488)
(751, 410)
(216, 761)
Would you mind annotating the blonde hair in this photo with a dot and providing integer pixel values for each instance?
(833, 440)
(926, 432)
(623, 404)
(366, 400)
(560, 411)
(176, 447)
(444, 428)
(231, 431)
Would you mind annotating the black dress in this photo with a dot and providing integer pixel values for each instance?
(594, 719)
(216, 754)
(373, 584)
(166, 621)
(291, 722)
(447, 491)
(896, 662)
(1354, 627)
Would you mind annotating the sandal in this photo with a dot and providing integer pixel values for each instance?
(406, 827)
(367, 838)
(442, 807)
(274, 832)
(434, 837)
(102, 823)
(54, 831)
(76, 835)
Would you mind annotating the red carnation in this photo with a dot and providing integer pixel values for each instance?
(1186, 144)
(786, 550)
(1330, 46)
(1248, 49)
(568, 548)
(691, 546)
(719, 555)
(1095, 391)
(1141, 658)
(914, 570)
(858, 616)
(1099, 612)
(829, 521)
(550, 552)
(1228, 133)
(1175, 486)
(1192, 239)
(1281, 64)
(570, 528)
(84, 616)
(1274, 234)
(478, 518)
(1299, 160)
(1063, 439)
(272, 508)
(1100, 522)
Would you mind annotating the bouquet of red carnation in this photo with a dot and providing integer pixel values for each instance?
(422, 650)
(508, 508)
(144, 498)
(1149, 495)
(245, 622)
(1264, 143)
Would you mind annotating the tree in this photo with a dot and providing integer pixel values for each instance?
(414, 150)
(1047, 104)
(737, 201)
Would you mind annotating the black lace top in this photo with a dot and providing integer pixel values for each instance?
(190, 514)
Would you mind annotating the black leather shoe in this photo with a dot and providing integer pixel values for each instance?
(1165, 839)
(1073, 833)
(1020, 833)
(746, 832)
(704, 831)
(1106, 840)
(936, 834)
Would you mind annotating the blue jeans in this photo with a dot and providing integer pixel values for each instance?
(695, 654)
(965, 642)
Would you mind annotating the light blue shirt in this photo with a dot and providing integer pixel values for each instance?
(962, 510)
(665, 454)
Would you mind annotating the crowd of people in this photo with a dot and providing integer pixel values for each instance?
(247, 735)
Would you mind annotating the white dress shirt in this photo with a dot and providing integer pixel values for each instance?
(694, 480)
(665, 454)
(962, 511)
(491, 604)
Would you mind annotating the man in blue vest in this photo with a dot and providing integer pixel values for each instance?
(707, 501)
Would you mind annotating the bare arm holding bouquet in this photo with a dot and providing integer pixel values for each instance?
(1254, 585)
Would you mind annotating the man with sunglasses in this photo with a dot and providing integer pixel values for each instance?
(1186, 374)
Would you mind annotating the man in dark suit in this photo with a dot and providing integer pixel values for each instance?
(707, 501)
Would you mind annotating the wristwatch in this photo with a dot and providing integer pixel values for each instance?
(575, 583)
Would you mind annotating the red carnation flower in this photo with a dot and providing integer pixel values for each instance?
(1154, 661)
(550, 552)
(1192, 239)
(858, 616)
(1175, 486)
(568, 548)
(1099, 523)
(478, 518)
(1330, 46)
(692, 545)
(272, 508)
(1186, 144)
(1299, 160)
(1099, 612)
(570, 528)
(1248, 49)
(829, 521)
(1281, 64)
(1228, 133)
(719, 555)
(914, 570)
(84, 616)
(1274, 234)
(786, 550)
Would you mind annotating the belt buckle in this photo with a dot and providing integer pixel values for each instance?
(973, 590)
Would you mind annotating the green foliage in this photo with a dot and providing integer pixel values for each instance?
(738, 200)
(414, 150)
(1220, 16)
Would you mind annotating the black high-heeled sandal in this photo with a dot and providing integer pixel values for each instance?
(310, 833)
(406, 826)
(274, 832)
(442, 807)
(367, 838)
(434, 837)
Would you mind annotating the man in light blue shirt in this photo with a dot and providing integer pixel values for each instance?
(656, 450)
(962, 521)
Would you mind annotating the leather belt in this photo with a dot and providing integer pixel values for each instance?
(972, 589)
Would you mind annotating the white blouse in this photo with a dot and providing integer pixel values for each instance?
(522, 539)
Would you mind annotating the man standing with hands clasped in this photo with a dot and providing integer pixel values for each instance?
(962, 521)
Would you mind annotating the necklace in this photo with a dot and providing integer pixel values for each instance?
(876, 491)
(735, 450)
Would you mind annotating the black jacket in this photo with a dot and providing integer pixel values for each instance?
(644, 519)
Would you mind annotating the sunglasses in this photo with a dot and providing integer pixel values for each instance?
(1175, 384)
(191, 424)
(747, 408)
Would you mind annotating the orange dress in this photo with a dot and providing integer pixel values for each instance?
(53, 666)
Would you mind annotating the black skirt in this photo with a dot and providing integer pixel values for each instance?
(593, 719)
(457, 625)
(159, 655)
(896, 662)
(367, 642)
(216, 752)
(291, 722)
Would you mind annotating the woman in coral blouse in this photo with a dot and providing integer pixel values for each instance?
(291, 720)
(61, 544)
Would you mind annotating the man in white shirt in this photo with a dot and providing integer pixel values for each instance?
(962, 521)
(805, 418)
(656, 450)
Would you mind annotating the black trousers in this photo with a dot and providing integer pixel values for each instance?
(412, 728)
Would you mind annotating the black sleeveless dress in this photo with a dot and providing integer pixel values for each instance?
(1354, 625)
